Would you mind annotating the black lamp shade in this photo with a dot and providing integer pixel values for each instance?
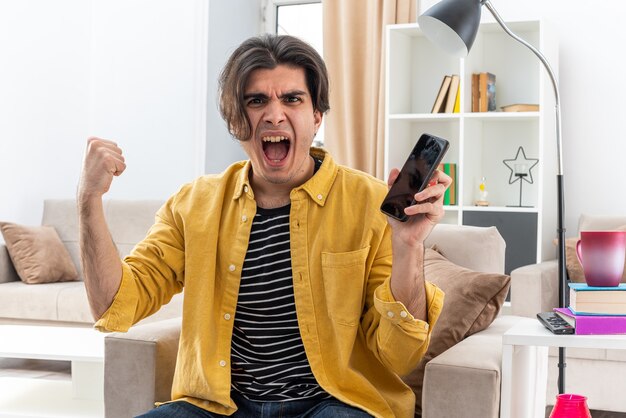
(452, 25)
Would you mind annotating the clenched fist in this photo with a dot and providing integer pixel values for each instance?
(103, 160)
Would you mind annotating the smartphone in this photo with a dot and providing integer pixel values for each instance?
(414, 176)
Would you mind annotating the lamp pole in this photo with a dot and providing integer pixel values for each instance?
(559, 178)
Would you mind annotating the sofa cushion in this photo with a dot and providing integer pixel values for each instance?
(472, 301)
(38, 254)
(73, 305)
(45, 302)
(63, 301)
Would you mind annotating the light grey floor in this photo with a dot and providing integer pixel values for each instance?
(42, 389)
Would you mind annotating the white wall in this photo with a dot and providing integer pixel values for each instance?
(591, 68)
(140, 72)
(143, 91)
(230, 22)
(44, 102)
(124, 70)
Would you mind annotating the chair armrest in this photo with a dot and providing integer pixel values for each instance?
(139, 367)
(534, 288)
(464, 381)
(7, 271)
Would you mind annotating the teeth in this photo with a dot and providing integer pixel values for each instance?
(274, 138)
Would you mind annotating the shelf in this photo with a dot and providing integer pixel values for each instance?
(425, 116)
(499, 209)
(480, 141)
(500, 116)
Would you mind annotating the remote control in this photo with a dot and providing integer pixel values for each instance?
(555, 323)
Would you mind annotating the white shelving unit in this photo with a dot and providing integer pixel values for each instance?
(479, 142)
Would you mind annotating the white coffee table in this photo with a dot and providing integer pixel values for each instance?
(525, 364)
(84, 347)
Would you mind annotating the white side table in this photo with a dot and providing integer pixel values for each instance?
(525, 364)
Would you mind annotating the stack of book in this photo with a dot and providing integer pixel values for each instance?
(448, 97)
(596, 310)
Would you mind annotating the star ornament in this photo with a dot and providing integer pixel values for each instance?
(520, 167)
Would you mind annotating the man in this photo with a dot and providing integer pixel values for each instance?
(291, 306)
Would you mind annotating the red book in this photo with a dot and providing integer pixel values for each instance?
(593, 324)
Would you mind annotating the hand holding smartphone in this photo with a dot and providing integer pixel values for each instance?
(414, 175)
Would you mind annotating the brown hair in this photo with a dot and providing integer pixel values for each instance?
(267, 52)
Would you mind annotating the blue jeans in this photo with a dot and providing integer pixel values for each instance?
(330, 408)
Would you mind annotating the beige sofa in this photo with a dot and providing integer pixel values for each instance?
(598, 374)
(463, 381)
(66, 302)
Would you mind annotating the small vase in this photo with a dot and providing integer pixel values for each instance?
(570, 406)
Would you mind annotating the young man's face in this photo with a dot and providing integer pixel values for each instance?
(283, 121)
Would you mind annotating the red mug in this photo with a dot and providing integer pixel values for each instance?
(602, 254)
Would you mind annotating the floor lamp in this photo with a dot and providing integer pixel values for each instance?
(452, 25)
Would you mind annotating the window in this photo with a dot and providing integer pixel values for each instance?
(303, 20)
(299, 18)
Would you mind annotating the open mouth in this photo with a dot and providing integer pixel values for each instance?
(276, 148)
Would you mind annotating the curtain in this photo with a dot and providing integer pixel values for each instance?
(354, 44)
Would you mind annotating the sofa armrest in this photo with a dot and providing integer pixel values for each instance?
(7, 271)
(139, 367)
(464, 381)
(534, 288)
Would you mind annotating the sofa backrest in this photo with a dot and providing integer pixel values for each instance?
(600, 223)
(477, 248)
(128, 220)
(473, 247)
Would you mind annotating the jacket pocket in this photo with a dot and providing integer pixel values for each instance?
(344, 283)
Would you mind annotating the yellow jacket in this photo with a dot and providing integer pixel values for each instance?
(357, 338)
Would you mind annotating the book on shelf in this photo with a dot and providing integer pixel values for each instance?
(457, 101)
(487, 92)
(593, 324)
(438, 107)
(452, 93)
(451, 171)
(520, 107)
(475, 93)
(586, 299)
(450, 195)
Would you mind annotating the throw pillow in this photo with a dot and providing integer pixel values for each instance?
(572, 265)
(38, 254)
(472, 301)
